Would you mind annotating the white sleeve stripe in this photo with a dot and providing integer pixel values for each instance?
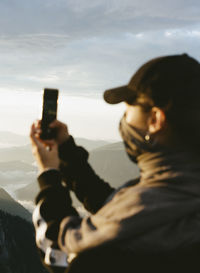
(40, 227)
(54, 257)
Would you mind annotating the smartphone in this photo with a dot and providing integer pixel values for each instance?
(49, 112)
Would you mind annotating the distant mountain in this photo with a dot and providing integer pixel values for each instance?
(12, 139)
(17, 165)
(116, 146)
(24, 153)
(13, 179)
(28, 192)
(112, 164)
(9, 205)
(16, 173)
(89, 144)
(18, 251)
(21, 153)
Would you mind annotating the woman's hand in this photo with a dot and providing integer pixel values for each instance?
(61, 129)
(45, 154)
(62, 133)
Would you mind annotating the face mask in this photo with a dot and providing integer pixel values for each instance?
(134, 140)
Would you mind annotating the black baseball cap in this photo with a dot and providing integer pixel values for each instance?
(175, 77)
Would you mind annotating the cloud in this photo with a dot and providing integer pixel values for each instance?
(82, 19)
(87, 66)
(85, 47)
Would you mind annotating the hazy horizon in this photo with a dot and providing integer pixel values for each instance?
(89, 118)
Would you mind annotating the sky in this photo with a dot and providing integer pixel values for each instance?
(83, 47)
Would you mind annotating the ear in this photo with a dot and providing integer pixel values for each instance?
(157, 120)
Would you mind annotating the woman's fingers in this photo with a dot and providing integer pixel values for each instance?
(62, 133)
(56, 124)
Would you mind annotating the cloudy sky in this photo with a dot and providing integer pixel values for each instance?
(83, 47)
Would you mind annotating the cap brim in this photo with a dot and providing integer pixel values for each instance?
(119, 94)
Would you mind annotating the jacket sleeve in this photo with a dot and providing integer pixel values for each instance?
(56, 222)
(53, 203)
(79, 176)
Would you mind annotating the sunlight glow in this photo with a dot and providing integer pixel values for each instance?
(86, 117)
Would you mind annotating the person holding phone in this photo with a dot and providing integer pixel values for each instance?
(152, 222)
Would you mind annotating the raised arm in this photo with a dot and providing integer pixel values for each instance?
(54, 202)
(79, 176)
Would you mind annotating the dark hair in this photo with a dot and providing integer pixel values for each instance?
(183, 116)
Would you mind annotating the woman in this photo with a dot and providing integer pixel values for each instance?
(150, 222)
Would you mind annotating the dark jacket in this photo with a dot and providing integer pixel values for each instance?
(145, 225)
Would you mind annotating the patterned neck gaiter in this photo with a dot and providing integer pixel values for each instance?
(134, 140)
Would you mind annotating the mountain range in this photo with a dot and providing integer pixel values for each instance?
(9, 139)
(109, 161)
(12, 139)
(112, 164)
